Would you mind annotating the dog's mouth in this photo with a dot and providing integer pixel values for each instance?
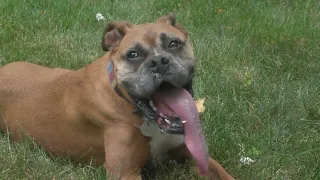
(174, 111)
(168, 106)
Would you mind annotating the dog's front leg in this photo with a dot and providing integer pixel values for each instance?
(126, 151)
(216, 169)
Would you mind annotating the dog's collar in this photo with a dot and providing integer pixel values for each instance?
(114, 83)
(140, 106)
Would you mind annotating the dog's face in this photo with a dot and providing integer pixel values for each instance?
(150, 57)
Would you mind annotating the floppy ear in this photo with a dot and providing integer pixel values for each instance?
(171, 20)
(113, 33)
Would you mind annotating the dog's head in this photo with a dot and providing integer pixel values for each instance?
(154, 63)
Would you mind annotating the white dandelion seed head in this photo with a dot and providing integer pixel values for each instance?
(99, 17)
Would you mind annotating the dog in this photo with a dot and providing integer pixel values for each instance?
(132, 106)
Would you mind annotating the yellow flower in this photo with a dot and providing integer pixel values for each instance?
(200, 105)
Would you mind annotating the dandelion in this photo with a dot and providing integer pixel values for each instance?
(246, 160)
(200, 105)
(99, 17)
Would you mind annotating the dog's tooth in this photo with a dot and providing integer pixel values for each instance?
(183, 122)
(167, 121)
(152, 104)
(154, 108)
(161, 115)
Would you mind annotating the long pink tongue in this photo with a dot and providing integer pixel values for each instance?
(182, 104)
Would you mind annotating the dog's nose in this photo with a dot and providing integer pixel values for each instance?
(159, 64)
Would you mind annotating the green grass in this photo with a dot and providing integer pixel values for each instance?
(258, 67)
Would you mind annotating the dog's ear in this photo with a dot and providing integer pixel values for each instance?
(171, 20)
(113, 33)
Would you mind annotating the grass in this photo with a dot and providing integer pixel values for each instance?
(258, 67)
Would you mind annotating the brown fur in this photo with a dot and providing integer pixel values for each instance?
(77, 113)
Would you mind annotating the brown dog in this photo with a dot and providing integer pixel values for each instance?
(88, 114)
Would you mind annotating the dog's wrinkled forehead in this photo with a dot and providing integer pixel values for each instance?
(149, 36)
(122, 35)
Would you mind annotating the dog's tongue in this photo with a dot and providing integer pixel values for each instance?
(179, 101)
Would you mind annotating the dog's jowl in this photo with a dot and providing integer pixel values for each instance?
(131, 106)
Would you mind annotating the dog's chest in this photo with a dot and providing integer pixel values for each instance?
(160, 142)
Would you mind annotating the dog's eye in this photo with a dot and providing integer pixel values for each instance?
(174, 44)
(132, 55)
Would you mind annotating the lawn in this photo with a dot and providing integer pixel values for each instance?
(258, 66)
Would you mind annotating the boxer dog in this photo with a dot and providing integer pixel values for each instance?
(131, 106)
